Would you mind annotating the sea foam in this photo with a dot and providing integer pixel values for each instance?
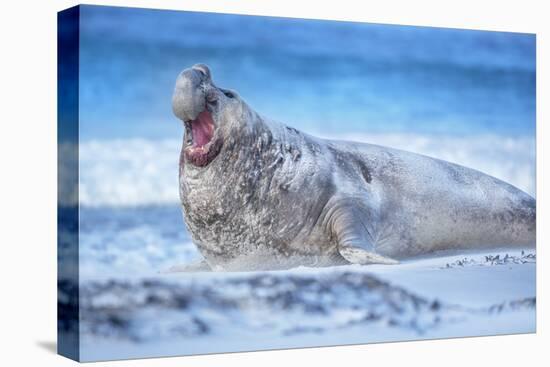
(135, 172)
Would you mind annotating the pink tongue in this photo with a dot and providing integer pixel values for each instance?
(203, 128)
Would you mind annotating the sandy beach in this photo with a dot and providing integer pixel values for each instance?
(457, 295)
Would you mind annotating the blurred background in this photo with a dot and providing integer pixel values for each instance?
(465, 96)
(323, 77)
(459, 95)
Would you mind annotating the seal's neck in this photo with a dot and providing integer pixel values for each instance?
(252, 146)
(247, 142)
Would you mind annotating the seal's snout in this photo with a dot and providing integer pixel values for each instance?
(188, 100)
(194, 101)
(203, 69)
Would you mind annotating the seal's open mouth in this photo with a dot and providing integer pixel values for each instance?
(201, 147)
(202, 130)
(196, 101)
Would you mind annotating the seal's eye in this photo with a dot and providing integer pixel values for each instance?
(229, 94)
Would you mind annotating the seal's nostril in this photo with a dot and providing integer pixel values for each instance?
(203, 69)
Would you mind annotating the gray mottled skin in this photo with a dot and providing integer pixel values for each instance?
(274, 197)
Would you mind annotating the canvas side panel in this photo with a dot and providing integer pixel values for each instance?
(68, 343)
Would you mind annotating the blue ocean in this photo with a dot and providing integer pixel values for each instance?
(319, 76)
(460, 95)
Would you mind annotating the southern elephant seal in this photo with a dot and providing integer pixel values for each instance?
(260, 195)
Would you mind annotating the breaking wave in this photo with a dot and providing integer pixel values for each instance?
(135, 172)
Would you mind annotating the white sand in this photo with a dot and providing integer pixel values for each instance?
(466, 292)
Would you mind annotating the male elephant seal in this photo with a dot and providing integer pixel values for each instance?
(260, 195)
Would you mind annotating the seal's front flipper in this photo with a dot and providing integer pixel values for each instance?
(355, 243)
(357, 255)
(194, 267)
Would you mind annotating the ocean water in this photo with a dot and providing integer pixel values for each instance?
(459, 95)
(322, 77)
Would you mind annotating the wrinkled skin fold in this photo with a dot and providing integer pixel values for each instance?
(260, 195)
